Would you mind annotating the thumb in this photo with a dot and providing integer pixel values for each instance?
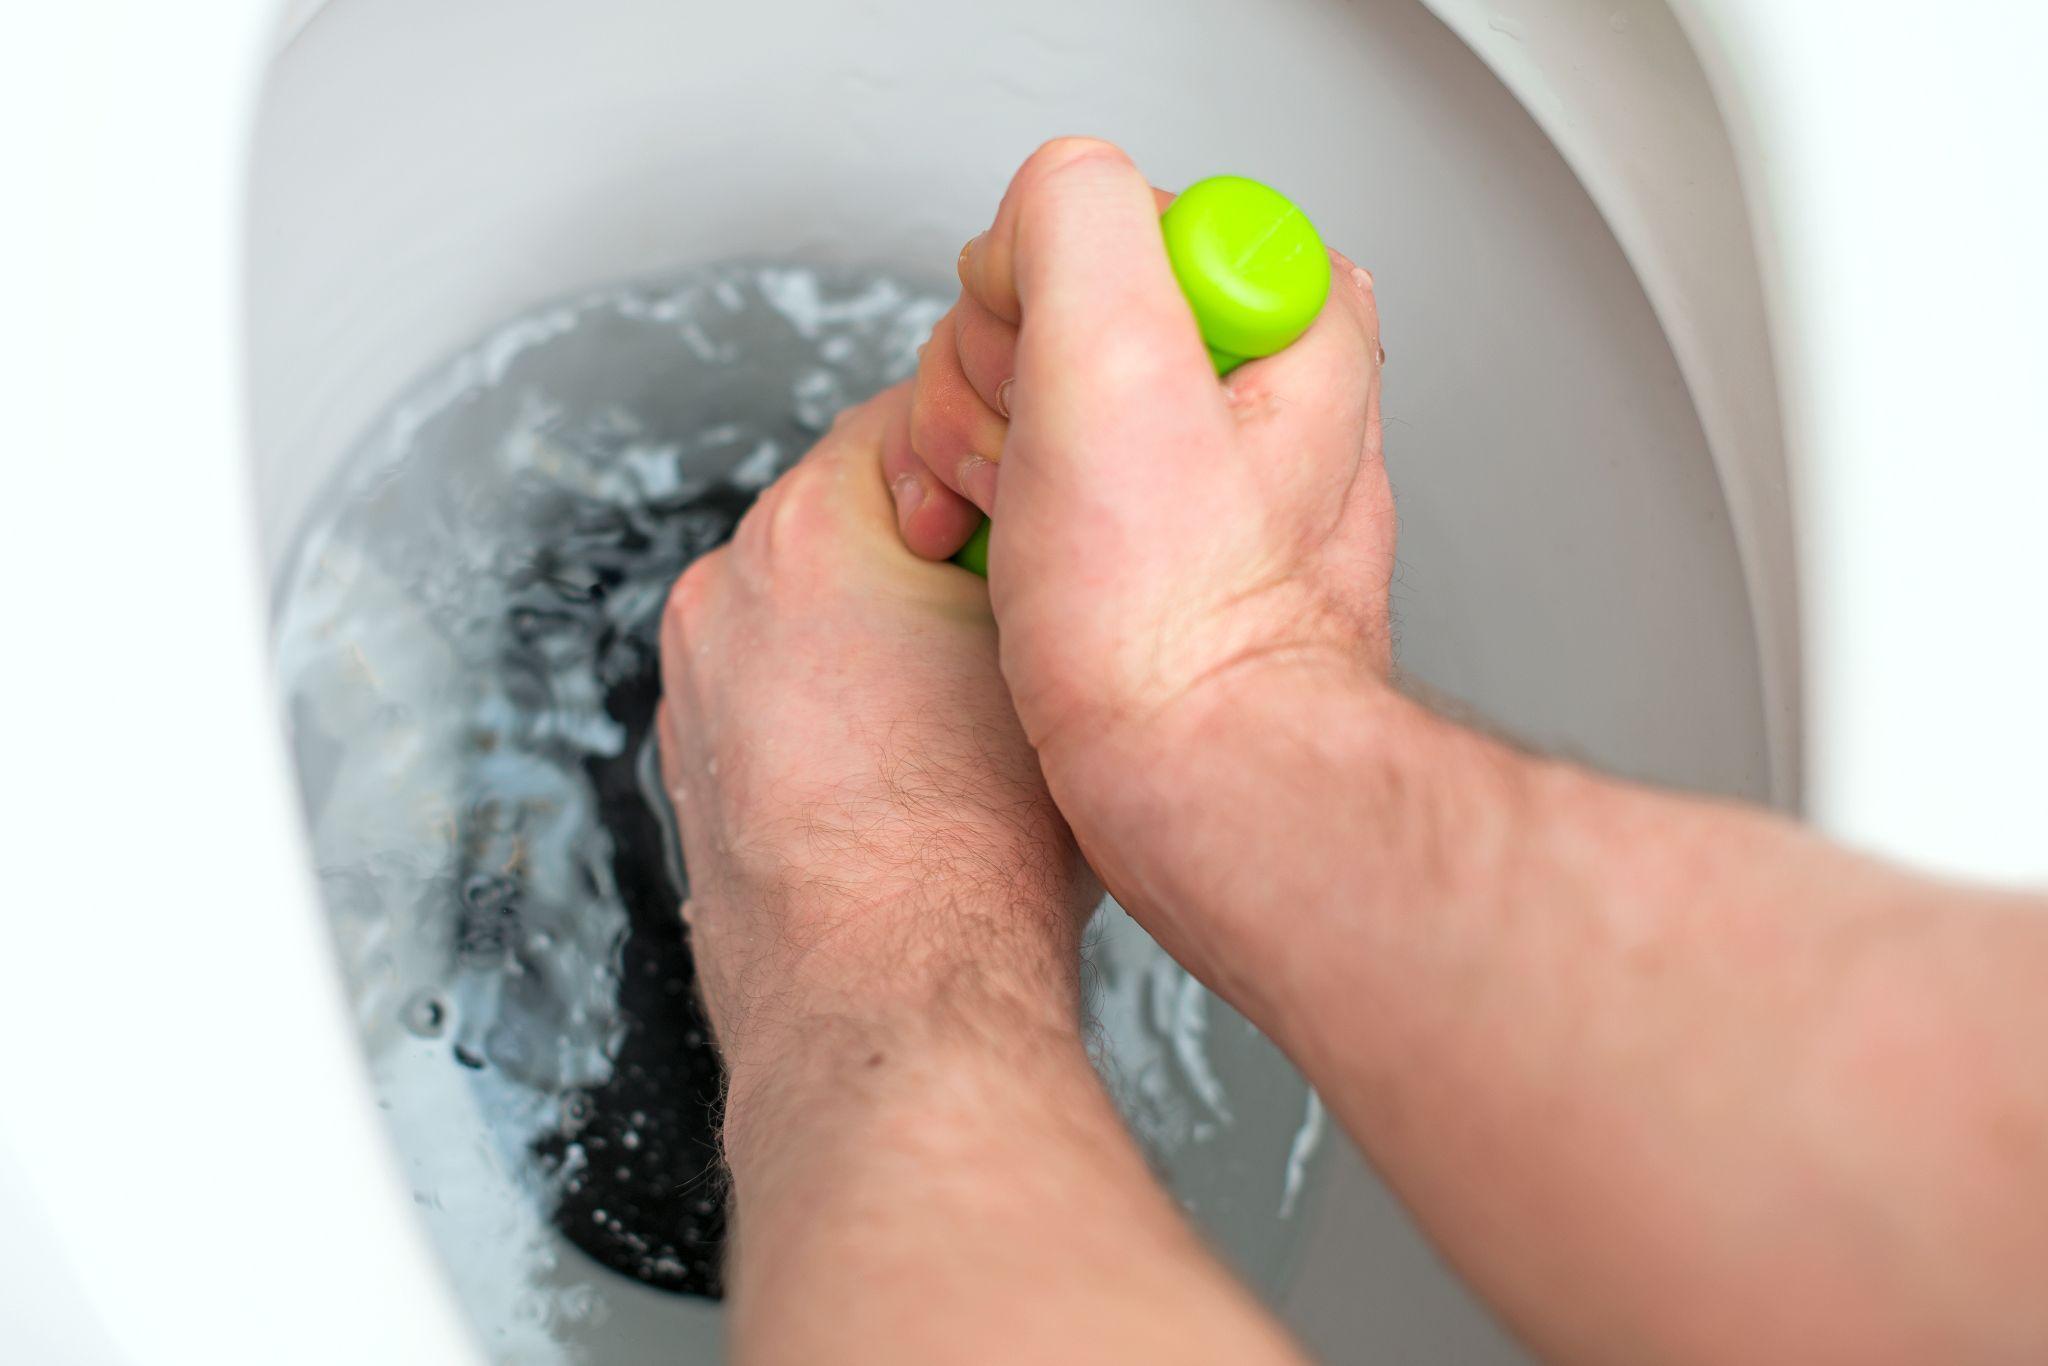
(1111, 373)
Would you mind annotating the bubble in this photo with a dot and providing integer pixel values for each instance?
(424, 1015)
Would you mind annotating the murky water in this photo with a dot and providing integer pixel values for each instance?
(466, 644)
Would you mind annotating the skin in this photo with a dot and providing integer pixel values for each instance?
(1665, 1079)
(886, 910)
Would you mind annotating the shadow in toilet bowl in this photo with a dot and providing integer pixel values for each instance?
(656, 1117)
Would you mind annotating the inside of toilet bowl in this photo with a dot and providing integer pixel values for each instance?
(466, 641)
(474, 234)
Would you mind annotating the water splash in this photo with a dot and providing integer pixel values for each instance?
(468, 652)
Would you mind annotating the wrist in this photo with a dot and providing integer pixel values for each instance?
(884, 1078)
(836, 1026)
(1147, 788)
(1291, 815)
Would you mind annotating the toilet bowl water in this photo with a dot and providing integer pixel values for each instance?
(467, 646)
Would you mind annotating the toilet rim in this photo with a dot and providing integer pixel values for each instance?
(1799, 105)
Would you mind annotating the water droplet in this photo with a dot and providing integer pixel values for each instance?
(424, 1016)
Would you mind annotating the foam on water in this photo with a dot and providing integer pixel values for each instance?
(466, 643)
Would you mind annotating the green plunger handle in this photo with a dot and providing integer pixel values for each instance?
(1253, 270)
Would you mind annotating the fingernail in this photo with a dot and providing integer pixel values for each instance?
(909, 493)
(978, 482)
(1003, 396)
(1361, 280)
(960, 266)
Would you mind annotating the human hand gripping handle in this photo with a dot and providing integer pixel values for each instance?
(1157, 530)
(1253, 269)
(1779, 1102)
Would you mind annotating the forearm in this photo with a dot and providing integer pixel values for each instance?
(950, 1183)
(1665, 1078)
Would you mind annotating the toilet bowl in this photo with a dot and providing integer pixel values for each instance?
(1673, 502)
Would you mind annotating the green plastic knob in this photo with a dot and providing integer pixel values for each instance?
(1253, 270)
(974, 555)
(1250, 263)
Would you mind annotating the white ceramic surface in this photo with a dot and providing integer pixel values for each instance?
(189, 1167)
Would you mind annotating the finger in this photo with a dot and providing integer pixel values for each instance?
(1108, 356)
(1308, 413)
(957, 436)
(671, 762)
(808, 498)
(933, 520)
(987, 264)
(866, 470)
(840, 478)
(988, 343)
(987, 348)
(1367, 495)
(1362, 285)
(683, 622)
(1325, 376)
(859, 427)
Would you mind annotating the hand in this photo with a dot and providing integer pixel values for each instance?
(886, 911)
(1156, 531)
(864, 826)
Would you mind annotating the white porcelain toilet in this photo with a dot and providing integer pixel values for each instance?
(1714, 416)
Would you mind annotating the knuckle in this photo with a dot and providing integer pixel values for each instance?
(784, 506)
(987, 347)
(859, 426)
(932, 429)
(686, 595)
(1062, 152)
(1253, 402)
(1132, 361)
(798, 516)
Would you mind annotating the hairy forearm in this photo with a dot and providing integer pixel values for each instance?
(949, 1182)
(1666, 1078)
